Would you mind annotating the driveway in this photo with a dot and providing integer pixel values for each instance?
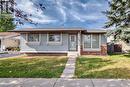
(9, 55)
(55, 82)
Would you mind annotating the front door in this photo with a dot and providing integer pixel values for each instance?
(72, 42)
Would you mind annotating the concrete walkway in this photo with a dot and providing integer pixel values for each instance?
(56, 82)
(69, 68)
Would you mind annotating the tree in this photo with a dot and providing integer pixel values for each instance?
(7, 10)
(118, 13)
(20, 15)
(118, 16)
(6, 22)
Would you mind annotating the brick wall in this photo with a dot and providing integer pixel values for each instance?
(102, 52)
(46, 54)
(104, 49)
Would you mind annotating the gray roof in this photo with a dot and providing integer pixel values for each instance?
(49, 29)
(96, 31)
(60, 29)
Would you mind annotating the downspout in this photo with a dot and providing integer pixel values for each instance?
(79, 43)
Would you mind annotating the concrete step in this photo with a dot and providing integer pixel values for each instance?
(72, 54)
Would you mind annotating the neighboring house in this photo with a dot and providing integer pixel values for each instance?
(63, 40)
(123, 46)
(8, 39)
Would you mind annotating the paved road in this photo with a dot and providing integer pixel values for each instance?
(55, 82)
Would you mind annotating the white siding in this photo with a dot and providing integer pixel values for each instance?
(43, 46)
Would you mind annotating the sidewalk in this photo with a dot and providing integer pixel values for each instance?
(56, 82)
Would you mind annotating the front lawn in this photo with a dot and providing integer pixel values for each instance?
(32, 67)
(112, 66)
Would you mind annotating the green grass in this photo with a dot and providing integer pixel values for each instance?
(32, 67)
(112, 66)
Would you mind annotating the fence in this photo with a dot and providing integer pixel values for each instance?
(114, 48)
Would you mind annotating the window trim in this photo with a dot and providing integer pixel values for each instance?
(92, 49)
(27, 35)
(54, 42)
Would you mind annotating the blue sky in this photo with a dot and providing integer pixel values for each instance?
(66, 13)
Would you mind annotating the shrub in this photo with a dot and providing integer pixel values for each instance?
(12, 49)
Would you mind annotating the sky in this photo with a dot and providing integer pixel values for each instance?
(65, 13)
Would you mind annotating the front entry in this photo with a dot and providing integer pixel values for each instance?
(72, 42)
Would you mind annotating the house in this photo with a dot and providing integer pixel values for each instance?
(63, 41)
(120, 45)
(8, 39)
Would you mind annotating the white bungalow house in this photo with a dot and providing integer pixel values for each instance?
(63, 41)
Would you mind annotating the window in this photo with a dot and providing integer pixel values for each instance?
(91, 41)
(73, 38)
(95, 41)
(33, 37)
(87, 41)
(54, 38)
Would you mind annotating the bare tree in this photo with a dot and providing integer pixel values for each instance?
(10, 7)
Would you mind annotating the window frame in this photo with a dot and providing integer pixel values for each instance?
(27, 38)
(84, 41)
(91, 48)
(98, 40)
(54, 42)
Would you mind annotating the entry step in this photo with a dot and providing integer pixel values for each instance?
(73, 54)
